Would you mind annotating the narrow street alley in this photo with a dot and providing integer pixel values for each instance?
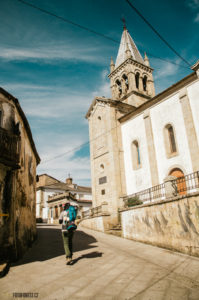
(104, 267)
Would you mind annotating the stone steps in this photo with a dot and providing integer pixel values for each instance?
(115, 230)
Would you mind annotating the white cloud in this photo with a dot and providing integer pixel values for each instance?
(49, 53)
(78, 167)
(194, 4)
(62, 107)
(197, 18)
(104, 87)
(165, 69)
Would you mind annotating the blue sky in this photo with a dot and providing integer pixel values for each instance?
(56, 69)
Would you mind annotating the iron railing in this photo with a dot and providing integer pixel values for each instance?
(182, 186)
(188, 183)
(154, 193)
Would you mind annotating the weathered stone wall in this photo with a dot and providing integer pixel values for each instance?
(100, 223)
(17, 190)
(172, 224)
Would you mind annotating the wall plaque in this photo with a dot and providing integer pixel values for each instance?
(102, 180)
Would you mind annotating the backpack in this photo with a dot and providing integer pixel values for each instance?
(69, 219)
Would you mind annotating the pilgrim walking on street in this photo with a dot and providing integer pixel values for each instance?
(67, 219)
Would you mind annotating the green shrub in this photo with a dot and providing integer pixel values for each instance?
(134, 201)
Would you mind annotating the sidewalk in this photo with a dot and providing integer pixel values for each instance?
(105, 267)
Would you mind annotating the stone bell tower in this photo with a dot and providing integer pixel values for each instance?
(131, 75)
(131, 85)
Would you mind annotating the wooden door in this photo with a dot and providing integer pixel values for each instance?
(181, 184)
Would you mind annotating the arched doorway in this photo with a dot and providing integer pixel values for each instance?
(181, 184)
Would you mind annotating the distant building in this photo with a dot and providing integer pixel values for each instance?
(18, 161)
(52, 193)
(138, 138)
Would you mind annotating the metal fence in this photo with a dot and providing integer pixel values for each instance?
(187, 184)
(154, 193)
(181, 186)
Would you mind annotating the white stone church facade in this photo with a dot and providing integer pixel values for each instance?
(138, 138)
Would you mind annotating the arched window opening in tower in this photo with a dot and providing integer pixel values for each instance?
(137, 78)
(144, 80)
(119, 86)
(125, 78)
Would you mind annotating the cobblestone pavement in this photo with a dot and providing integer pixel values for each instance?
(104, 267)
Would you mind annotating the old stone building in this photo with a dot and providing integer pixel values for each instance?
(52, 193)
(138, 138)
(18, 161)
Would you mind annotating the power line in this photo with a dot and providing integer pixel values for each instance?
(68, 21)
(86, 28)
(158, 34)
(64, 153)
(78, 147)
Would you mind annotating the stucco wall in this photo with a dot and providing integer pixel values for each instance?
(172, 224)
(168, 111)
(100, 223)
(140, 179)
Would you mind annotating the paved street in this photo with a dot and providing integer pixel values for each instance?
(104, 267)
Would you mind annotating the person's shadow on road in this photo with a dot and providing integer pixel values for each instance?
(89, 255)
(49, 244)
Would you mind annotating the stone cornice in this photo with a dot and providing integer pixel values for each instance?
(116, 103)
(130, 61)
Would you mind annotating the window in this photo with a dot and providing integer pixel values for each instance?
(170, 141)
(101, 167)
(136, 155)
(103, 192)
(125, 78)
(119, 86)
(144, 80)
(137, 78)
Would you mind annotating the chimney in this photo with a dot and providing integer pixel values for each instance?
(69, 181)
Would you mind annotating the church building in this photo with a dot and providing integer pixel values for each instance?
(138, 138)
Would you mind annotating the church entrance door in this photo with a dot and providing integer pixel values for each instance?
(181, 184)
